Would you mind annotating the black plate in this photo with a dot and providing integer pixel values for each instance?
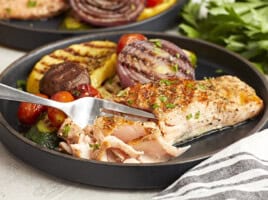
(131, 176)
(27, 35)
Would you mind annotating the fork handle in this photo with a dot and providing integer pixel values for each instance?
(10, 93)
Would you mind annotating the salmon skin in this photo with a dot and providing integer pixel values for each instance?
(187, 108)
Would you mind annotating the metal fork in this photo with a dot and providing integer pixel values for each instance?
(82, 111)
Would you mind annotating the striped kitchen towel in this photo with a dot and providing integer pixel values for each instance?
(239, 172)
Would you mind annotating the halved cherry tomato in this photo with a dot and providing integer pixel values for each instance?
(127, 39)
(56, 116)
(85, 90)
(28, 113)
(153, 3)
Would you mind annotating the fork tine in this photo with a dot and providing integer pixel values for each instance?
(112, 106)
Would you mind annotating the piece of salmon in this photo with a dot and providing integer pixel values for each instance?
(189, 108)
(31, 9)
(116, 139)
(144, 137)
(184, 109)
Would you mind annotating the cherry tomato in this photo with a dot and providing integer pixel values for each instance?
(85, 90)
(28, 113)
(127, 39)
(56, 116)
(153, 3)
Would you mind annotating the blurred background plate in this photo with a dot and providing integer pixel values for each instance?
(27, 35)
(211, 60)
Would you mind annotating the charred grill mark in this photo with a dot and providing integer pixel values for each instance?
(59, 57)
(98, 46)
(87, 54)
(43, 69)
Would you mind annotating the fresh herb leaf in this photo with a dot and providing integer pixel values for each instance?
(154, 106)
(156, 42)
(66, 130)
(238, 25)
(189, 116)
(130, 102)
(197, 115)
(170, 105)
(21, 84)
(165, 82)
(94, 146)
(8, 10)
(122, 93)
(175, 68)
(219, 71)
(31, 3)
(48, 140)
(163, 98)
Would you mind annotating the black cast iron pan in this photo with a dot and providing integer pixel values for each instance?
(27, 35)
(131, 176)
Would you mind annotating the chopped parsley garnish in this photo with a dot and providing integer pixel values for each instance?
(122, 93)
(76, 93)
(165, 81)
(207, 78)
(157, 43)
(8, 10)
(201, 86)
(189, 116)
(170, 105)
(163, 98)
(94, 146)
(197, 115)
(31, 3)
(66, 130)
(175, 68)
(155, 105)
(219, 71)
(190, 85)
(21, 84)
(130, 102)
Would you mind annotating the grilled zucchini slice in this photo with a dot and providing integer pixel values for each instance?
(98, 57)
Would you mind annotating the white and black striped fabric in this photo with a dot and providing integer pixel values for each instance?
(239, 172)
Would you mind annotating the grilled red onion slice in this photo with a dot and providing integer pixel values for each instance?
(108, 12)
(145, 61)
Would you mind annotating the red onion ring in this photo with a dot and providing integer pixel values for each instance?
(108, 12)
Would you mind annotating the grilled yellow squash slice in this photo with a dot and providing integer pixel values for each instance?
(98, 57)
(150, 12)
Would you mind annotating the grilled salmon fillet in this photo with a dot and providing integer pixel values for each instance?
(188, 108)
(31, 9)
(184, 109)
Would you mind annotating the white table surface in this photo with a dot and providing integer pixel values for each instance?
(19, 180)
